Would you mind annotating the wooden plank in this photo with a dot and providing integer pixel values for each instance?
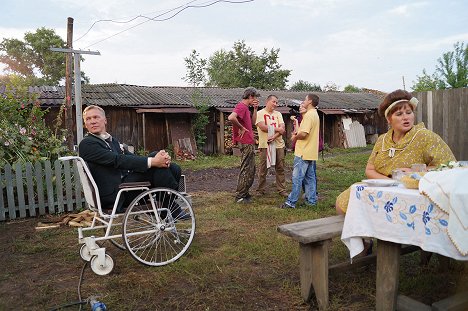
(314, 230)
(462, 141)
(10, 192)
(20, 190)
(3, 210)
(59, 186)
(429, 111)
(68, 185)
(437, 111)
(220, 133)
(38, 173)
(78, 187)
(30, 189)
(313, 272)
(446, 115)
(388, 264)
(420, 108)
(405, 303)
(458, 302)
(49, 187)
(367, 260)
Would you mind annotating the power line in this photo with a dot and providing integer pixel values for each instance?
(148, 19)
(130, 20)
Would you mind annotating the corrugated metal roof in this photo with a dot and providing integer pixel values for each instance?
(160, 96)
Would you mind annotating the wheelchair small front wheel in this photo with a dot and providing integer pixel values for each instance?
(102, 268)
(85, 253)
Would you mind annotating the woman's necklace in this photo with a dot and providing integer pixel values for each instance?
(392, 150)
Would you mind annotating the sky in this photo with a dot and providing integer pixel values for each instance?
(382, 45)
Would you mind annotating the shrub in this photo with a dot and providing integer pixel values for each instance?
(24, 136)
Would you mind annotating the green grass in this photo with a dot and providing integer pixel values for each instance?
(237, 261)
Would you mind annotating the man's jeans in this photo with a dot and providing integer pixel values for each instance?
(303, 173)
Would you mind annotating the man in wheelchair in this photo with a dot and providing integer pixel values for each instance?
(111, 165)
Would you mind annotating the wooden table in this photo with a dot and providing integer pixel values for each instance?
(395, 216)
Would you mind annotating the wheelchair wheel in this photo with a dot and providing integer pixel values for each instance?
(85, 253)
(104, 269)
(158, 227)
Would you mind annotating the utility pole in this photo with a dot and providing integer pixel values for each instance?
(68, 91)
(77, 56)
(68, 87)
(404, 87)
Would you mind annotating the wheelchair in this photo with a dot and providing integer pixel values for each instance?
(157, 227)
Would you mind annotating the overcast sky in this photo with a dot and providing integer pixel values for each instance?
(366, 43)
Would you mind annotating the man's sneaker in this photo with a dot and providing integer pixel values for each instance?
(285, 205)
(245, 200)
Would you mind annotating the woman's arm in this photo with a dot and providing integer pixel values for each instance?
(372, 173)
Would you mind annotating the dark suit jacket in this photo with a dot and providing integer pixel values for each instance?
(108, 165)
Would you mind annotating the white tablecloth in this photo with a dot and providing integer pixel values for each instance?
(448, 189)
(398, 215)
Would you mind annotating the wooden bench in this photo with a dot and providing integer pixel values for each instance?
(314, 237)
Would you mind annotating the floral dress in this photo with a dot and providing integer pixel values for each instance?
(419, 145)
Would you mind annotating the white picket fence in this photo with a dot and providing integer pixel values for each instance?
(28, 190)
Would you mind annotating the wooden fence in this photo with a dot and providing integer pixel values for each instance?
(446, 113)
(37, 189)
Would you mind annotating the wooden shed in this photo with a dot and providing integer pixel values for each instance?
(149, 118)
(157, 117)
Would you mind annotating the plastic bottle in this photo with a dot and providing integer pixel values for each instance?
(97, 305)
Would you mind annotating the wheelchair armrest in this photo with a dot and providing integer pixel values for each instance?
(134, 184)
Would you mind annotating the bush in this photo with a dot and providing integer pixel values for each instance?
(24, 136)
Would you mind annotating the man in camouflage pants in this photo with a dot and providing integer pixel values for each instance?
(242, 135)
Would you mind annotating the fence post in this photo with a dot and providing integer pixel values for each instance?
(40, 187)
(2, 203)
(30, 189)
(9, 191)
(49, 186)
(20, 190)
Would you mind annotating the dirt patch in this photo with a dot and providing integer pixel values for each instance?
(222, 179)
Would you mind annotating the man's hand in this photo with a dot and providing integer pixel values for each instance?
(242, 131)
(255, 103)
(161, 159)
(294, 137)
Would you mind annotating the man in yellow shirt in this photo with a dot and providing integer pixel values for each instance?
(270, 127)
(305, 155)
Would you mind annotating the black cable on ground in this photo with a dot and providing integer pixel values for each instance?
(79, 302)
(71, 304)
(80, 281)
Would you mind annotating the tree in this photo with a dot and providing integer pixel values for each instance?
(453, 66)
(32, 58)
(239, 67)
(427, 83)
(331, 87)
(352, 89)
(451, 71)
(196, 68)
(302, 85)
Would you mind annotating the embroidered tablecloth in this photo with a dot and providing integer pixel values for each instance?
(448, 189)
(398, 215)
